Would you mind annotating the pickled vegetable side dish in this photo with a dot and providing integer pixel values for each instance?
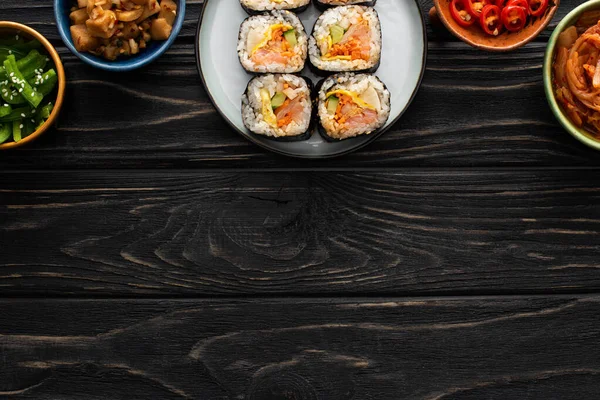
(27, 84)
(115, 28)
(576, 71)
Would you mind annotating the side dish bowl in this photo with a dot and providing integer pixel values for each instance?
(154, 50)
(578, 133)
(506, 41)
(13, 28)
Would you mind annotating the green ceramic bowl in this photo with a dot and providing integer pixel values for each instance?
(580, 134)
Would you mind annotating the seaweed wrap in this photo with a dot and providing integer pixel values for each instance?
(324, 4)
(351, 105)
(272, 43)
(346, 39)
(279, 107)
(253, 7)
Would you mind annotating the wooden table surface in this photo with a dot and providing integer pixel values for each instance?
(148, 251)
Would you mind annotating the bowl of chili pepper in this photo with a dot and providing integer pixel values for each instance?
(495, 25)
(32, 85)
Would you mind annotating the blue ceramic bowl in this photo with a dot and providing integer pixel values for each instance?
(154, 50)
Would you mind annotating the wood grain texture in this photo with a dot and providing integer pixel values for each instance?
(187, 233)
(263, 225)
(474, 109)
(542, 348)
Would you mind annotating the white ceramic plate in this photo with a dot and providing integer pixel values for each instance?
(402, 65)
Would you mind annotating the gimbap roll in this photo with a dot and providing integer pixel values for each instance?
(272, 43)
(258, 6)
(346, 39)
(278, 107)
(351, 105)
(323, 4)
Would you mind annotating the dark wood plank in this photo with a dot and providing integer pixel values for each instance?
(161, 117)
(39, 14)
(180, 233)
(478, 348)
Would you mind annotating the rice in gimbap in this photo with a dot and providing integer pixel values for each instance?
(351, 105)
(332, 3)
(274, 42)
(258, 6)
(278, 107)
(346, 38)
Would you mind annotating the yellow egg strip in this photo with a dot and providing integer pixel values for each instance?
(269, 35)
(267, 110)
(360, 102)
(345, 58)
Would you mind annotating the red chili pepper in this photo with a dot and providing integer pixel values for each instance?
(474, 7)
(520, 3)
(458, 9)
(537, 7)
(514, 18)
(490, 20)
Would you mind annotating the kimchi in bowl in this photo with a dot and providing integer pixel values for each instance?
(571, 82)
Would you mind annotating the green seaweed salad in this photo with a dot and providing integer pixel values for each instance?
(27, 85)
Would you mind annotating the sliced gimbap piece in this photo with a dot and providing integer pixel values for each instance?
(351, 105)
(346, 39)
(278, 107)
(272, 43)
(323, 4)
(253, 7)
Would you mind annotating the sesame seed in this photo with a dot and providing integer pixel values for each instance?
(32, 94)
(10, 52)
(17, 37)
(20, 90)
(23, 115)
(33, 120)
(21, 126)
